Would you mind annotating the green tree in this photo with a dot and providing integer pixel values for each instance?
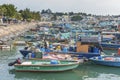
(2, 11)
(26, 15)
(76, 18)
(59, 13)
(71, 13)
(29, 15)
(43, 11)
(54, 17)
(18, 16)
(35, 15)
(11, 10)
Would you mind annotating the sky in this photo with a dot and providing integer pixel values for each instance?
(97, 7)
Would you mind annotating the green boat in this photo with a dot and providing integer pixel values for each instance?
(46, 65)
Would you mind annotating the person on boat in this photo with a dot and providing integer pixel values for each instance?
(33, 55)
(18, 61)
(58, 48)
(26, 47)
(45, 44)
(100, 49)
(38, 45)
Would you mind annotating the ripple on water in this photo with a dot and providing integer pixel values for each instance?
(104, 77)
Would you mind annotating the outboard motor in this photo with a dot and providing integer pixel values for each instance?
(12, 63)
(16, 61)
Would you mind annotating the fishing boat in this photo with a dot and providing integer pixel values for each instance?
(5, 47)
(110, 45)
(82, 51)
(110, 40)
(46, 65)
(87, 45)
(107, 60)
(18, 43)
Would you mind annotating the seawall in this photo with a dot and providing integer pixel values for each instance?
(13, 30)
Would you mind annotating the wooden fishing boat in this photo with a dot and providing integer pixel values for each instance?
(5, 47)
(19, 43)
(46, 65)
(107, 60)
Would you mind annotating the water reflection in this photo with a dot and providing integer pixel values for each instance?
(67, 75)
(99, 72)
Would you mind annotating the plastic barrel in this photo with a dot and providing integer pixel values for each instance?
(47, 50)
(95, 50)
(65, 49)
(54, 62)
(50, 46)
(42, 49)
(71, 49)
(32, 55)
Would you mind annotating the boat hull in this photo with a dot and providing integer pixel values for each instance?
(105, 62)
(110, 46)
(76, 54)
(81, 54)
(68, 65)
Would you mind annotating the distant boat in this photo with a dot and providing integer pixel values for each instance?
(19, 43)
(46, 65)
(110, 40)
(107, 60)
(110, 45)
(5, 47)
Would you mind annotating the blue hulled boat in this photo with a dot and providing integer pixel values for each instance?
(110, 45)
(110, 40)
(107, 60)
(82, 54)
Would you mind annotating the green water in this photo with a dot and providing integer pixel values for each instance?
(86, 71)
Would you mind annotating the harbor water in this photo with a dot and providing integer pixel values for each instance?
(85, 71)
